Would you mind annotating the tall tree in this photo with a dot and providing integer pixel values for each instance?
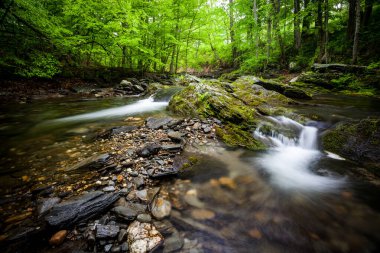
(356, 35)
(297, 32)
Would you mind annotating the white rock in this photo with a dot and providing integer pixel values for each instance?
(143, 237)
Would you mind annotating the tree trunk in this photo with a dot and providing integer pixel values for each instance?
(232, 34)
(256, 27)
(351, 19)
(297, 32)
(356, 36)
(269, 34)
(367, 12)
(325, 57)
(320, 31)
(306, 19)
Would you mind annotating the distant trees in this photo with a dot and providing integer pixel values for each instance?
(179, 35)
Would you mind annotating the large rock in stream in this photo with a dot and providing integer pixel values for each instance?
(356, 140)
(81, 208)
(239, 105)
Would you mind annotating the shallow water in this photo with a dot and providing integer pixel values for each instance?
(292, 198)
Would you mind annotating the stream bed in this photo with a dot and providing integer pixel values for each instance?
(294, 197)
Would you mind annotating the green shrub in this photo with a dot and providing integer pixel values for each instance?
(43, 65)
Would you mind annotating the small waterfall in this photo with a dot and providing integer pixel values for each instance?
(308, 138)
(290, 160)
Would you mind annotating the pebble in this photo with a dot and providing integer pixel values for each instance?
(107, 248)
(123, 234)
(107, 231)
(161, 208)
(109, 189)
(144, 217)
(58, 238)
(202, 214)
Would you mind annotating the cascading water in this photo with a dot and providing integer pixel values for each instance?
(141, 106)
(290, 160)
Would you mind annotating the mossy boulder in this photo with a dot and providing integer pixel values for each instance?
(284, 89)
(239, 105)
(355, 140)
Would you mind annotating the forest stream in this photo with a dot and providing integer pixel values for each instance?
(292, 197)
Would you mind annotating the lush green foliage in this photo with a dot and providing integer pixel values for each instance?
(38, 37)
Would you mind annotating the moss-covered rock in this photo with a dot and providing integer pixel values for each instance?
(239, 105)
(355, 140)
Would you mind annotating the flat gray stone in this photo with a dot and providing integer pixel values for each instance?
(106, 231)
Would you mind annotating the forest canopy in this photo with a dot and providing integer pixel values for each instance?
(44, 37)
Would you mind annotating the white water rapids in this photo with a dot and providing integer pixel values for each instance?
(141, 106)
(290, 160)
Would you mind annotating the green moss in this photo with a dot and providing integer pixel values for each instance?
(355, 140)
(237, 136)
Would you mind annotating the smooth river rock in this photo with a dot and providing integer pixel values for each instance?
(81, 208)
(156, 123)
(93, 162)
(161, 208)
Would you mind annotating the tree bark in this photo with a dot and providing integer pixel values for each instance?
(351, 19)
(367, 12)
(269, 33)
(232, 34)
(356, 35)
(297, 32)
(256, 27)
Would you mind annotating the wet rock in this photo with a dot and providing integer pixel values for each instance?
(355, 140)
(157, 123)
(144, 217)
(46, 205)
(163, 172)
(142, 195)
(191, 198)
(116, 131)
(81, 208)
(147, 195)
(107, 248)
(58, 238)
(107, 231)
(143, 237)
(139, 182)
(109, 189)
(172, 147)
(149, 150)
(123, 234)
(164, 227)
(176, 136)
(173, 243)
(18, 217)
(207, 130)
(129, 211)
(228, 182)
(202, 214)
(125, 212)
(93, 162)
(160, 208)
(124, 247)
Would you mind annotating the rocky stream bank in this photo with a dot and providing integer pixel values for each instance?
(119, 205)
(117, 199)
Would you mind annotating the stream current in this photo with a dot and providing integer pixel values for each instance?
(294, 197)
